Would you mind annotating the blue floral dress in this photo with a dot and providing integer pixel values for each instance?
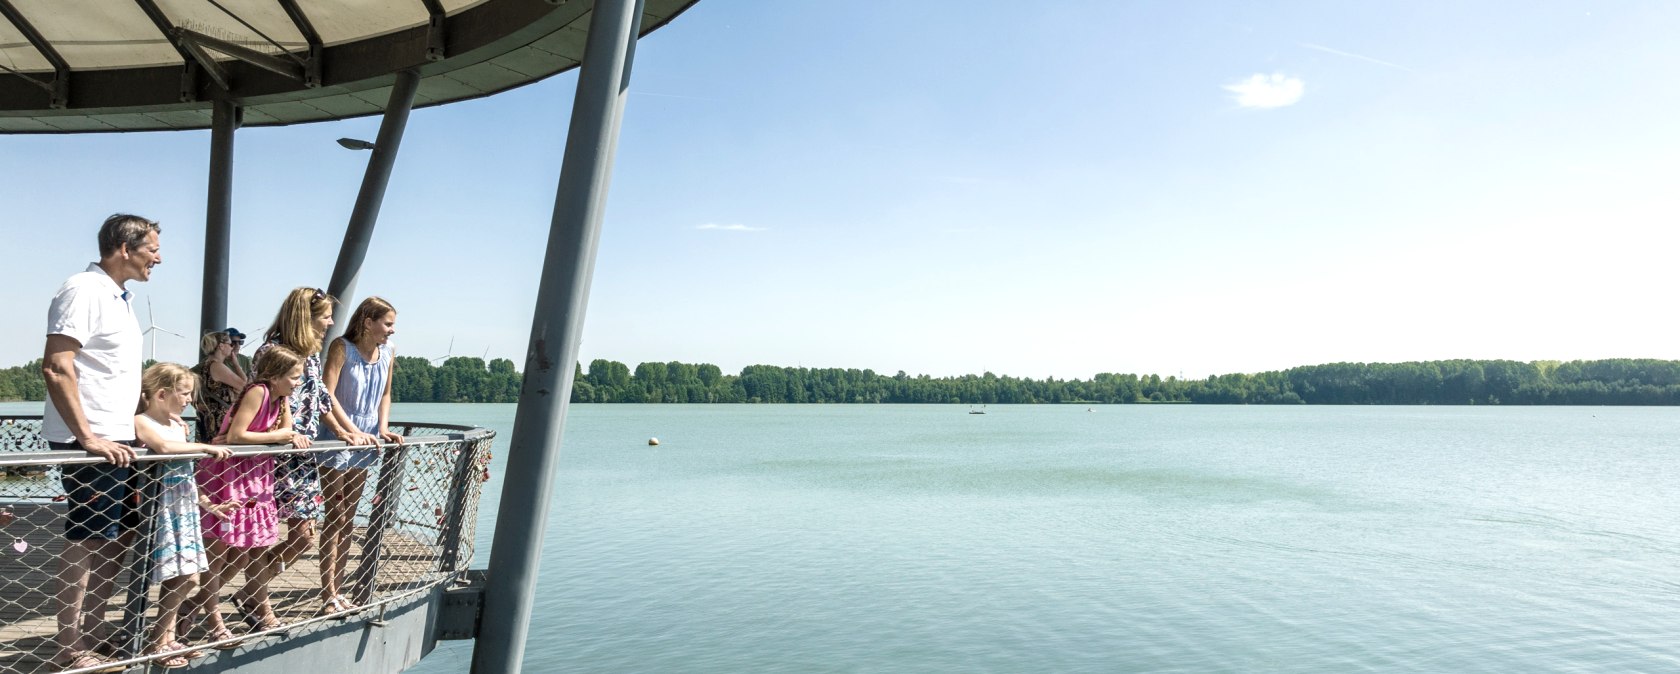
(297, 477)
(177, 541)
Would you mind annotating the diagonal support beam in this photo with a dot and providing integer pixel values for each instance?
(365, 214)
(60, 91)
(194, 39)
(192, 57)
(209, 64)
(312, 71)
(556, 330)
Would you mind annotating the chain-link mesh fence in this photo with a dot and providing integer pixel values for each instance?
(174, 556)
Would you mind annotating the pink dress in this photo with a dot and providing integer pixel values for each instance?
(246, 480)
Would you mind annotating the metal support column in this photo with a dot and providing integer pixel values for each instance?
(366, 213)
(562, 297)
(218, 216)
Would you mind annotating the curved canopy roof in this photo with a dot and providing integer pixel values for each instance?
(74, 66)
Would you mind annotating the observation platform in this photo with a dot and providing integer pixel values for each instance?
(94, 66)
(411, 548)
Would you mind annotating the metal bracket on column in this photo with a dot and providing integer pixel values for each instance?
(434, 30)
(462, 607)
(191, 57)
(59, 90)
(312, 66)
(209, 64)
(189, 82)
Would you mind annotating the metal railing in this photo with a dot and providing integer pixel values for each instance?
(411, 530)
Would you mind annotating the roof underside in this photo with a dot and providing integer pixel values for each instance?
(78, 66)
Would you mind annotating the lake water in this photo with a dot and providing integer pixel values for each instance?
(1125, 538)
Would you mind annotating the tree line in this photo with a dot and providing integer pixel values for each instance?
(1620, 381)
(1442, 382)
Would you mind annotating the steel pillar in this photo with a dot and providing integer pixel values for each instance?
(365, 215)
(218, 217)
(556, 328)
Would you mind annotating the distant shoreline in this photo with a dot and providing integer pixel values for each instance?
(1622, 381)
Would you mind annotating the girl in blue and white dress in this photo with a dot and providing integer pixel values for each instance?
(358, 372)
(178, 554)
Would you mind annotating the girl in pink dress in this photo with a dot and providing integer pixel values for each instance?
(244, 485)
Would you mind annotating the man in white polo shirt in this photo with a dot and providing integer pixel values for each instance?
(92, 367)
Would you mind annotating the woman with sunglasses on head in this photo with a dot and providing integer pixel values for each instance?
(217, 363)
(300, 326)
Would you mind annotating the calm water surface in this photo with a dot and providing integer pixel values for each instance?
(1135, 538)
(1126, 538)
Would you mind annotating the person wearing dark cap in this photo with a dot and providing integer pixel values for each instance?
(220, 382)
(238, 340)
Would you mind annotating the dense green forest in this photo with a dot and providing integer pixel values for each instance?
(1442, 382)
(1448, 382)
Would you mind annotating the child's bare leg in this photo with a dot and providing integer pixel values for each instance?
(170, 595)
(224, 564)
(300, 534)
(253, 595)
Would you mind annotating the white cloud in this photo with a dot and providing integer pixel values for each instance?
(1267, 91)
(730, 228)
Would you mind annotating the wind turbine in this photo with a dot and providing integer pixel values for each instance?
(154, 328)
(448, 353)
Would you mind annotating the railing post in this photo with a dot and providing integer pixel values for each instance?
(453, 517)
(556, 328)
(388, 491)
(132, 632)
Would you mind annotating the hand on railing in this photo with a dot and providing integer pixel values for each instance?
(116, 453)
(358, 438)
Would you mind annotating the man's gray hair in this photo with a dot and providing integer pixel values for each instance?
(124, 229)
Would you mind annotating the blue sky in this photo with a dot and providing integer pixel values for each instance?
(1058, 188)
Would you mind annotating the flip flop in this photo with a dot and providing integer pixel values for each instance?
(90, 661)
(176, 661)
(224, 634)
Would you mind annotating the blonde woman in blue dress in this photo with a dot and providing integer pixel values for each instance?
(178, 554)
(358, 371)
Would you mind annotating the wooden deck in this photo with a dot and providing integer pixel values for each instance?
(29, 561)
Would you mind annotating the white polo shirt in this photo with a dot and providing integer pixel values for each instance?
(91, 309)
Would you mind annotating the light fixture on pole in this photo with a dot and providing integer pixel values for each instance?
(355, 144)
